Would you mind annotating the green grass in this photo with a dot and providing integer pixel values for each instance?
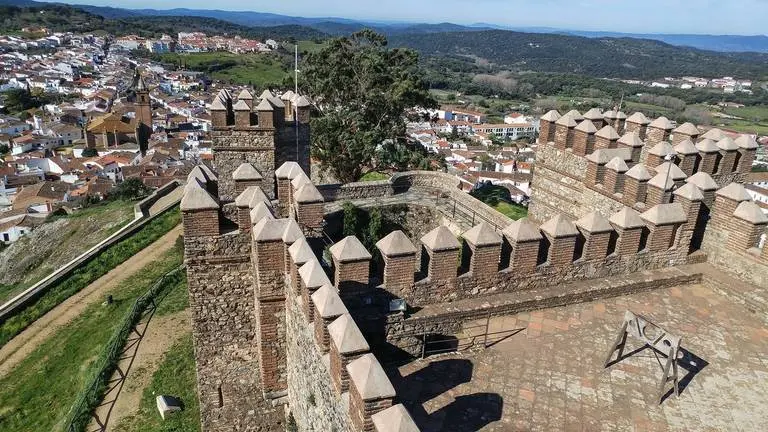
(306, 46)
(80, 278)
(374, 176)
(512, 211)
(259, 70)
(175, 376)
(38, 393)
(757, 113)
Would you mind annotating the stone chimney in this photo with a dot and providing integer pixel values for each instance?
(708, 154)
(485, 244)
(686, 154)
(637, 122)
(312, 277)
(443, 251)
(199, 211)
(351, 262)
(561, 234)
(394, 419)
(746, 226)
(728, 152)
(584, 138)
(663, 221)
(564, 132)
(607, 137)
(658, 131)
(399, 256)
(597, 233)
(328, 307)
(266, 114)
(747, 149)
(300, 253)
(614, 175)
(685, 132)
(347, 344)
(370, 393)
(632, 141)
(629, 227)
(523, 239)
(636, 185)
(658, 153)
(595, 117)
(547, 127)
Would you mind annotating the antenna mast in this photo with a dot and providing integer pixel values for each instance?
(296, 92)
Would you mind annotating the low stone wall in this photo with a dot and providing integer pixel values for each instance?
(466, 286)
(448, 319)
(350, 191)
(314, 403)
(741, 264)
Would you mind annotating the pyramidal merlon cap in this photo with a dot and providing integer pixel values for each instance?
(313, 275)
(301, 252)
(523, 230)
(247, 171)
(396, 243)
(328, 302)
(594, 223)
(394, 419)
(197, 198)
(439, 239)
(369, 378)
(560, 226)
(350, 249)
(346, 335)
(482, 235)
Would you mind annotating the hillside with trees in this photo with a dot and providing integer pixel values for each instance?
(597, 57)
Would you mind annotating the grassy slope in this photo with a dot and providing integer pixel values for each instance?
(37, 394)
(35, 256)
(81, 277)
(513, 211)
(175, 376)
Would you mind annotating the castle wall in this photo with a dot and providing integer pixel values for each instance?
(315, 404)
(222, 300)
(286, 147)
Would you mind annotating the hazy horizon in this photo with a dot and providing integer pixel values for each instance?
(705, 17)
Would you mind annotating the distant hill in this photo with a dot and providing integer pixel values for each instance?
(343, 26)
(599, 57)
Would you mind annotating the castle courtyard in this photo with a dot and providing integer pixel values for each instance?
(549, 375)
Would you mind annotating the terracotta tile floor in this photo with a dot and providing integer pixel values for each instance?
(549, 376)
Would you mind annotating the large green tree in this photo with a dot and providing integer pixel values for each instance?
(363, 92)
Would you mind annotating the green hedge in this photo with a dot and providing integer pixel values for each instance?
(91, 395)
(85, 275)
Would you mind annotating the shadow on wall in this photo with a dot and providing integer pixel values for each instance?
(465, 413)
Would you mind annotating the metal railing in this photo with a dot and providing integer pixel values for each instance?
(450, 206)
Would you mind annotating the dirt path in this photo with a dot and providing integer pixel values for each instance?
(23, 344)
(160, 335)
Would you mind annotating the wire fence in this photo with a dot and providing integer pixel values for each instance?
(90, 396)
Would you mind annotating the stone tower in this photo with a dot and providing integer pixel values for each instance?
(143, 114)
(261, 131)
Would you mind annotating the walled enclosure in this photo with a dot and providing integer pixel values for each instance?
(271, 327)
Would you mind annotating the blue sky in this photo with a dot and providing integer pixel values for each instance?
(648, 16)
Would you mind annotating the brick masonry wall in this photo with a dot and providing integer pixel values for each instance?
(443, 264)
(596, 246)
(200, 223)
(352, 277)
(399, 271)
(485, 260)
(222, 301)
(738, 263)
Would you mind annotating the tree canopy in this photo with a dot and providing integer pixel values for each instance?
(363, 92)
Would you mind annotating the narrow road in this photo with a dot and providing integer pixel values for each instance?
(19, 347)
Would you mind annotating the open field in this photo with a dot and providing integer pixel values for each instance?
(38, 392)
(56, 242)
(254, 69)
